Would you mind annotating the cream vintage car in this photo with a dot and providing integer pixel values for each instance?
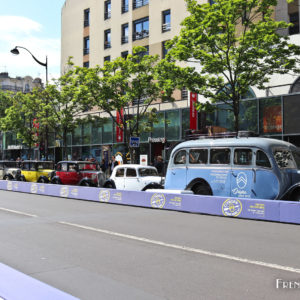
(9, 170)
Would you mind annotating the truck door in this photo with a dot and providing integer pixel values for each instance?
(242, 174)
(178, 170)
(265, 181)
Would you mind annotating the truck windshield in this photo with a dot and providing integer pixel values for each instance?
(296, 155)
(284, 159)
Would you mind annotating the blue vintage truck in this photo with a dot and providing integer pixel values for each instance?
(249, 167)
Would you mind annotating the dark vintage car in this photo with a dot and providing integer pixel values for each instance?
(84, 173)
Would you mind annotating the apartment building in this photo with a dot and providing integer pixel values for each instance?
(94, 31)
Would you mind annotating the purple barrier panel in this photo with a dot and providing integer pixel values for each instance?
(18, 286)
(290, 212)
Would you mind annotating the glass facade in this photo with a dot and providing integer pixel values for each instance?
(173, 125)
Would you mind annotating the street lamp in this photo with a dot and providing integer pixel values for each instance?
(15, 51)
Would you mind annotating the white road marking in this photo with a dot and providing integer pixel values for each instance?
(17, 212)
(189, 249)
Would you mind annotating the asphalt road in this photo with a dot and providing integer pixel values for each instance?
(104, 251)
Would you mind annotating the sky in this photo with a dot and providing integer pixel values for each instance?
(35, 25)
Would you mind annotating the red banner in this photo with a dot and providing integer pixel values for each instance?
(193, 111)
(119, 131)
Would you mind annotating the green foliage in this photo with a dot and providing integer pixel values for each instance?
(234, 45)
(20, 117)
(128, 84)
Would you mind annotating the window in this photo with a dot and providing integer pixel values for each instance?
(184, 94)
(139, 3)
(220, 156)
(166, 20)
(294, 19)
(180, 158)
(107, 9)
(107, 39)
(164, 50)
(131, 173)
(124, 54)
(107, 58)
(86, 17)
(86, 45)
(125, 6)
(86, 64)
(124, 38)
(120, 173)
(262, 159)
(140, 29)
(243, 157)
(198, 156)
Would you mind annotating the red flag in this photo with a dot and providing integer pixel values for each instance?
(193, 111)
(119, 131)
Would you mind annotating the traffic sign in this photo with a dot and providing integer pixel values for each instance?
(134, 142)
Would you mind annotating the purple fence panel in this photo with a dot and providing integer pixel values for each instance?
(18, 286)
(259, 209)
(290, 212)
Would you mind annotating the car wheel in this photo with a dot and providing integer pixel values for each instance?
(108, 185)
(202, 189)
(7, 177)
(22, 178)
(42, 180)
(55, 181)
(296, 196)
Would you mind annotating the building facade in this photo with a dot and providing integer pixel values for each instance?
(96, 31)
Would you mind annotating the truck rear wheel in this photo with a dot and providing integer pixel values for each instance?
(202, 189)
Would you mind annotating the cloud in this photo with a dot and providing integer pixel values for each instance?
(22, 31)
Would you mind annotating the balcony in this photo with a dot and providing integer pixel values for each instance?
(139, 3)
(107, 15)
(140, 35)
(125, 8)
(124, 39)
(166, 27)
(86, 51)
(107, 45)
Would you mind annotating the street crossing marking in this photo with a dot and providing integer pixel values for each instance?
(18, 212)
(188, 249)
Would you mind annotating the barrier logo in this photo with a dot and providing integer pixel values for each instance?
(104, 195)
(241, 180)
(158, 201)
(9, 185)
(64, 191)
(232, 207)
(34, 188)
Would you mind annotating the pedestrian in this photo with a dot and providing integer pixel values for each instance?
(159, 165)
(102, 165)
(112, 164)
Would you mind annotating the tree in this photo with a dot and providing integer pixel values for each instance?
(125, 88)
(21, 118)
(235, 44)
(62, 110)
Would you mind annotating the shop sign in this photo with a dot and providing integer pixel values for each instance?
(14, 147)
(193, 111)
(144, 159)
(134, 142)
(157, 140)
(272, 119)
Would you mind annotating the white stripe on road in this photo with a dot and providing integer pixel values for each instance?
(188, 249)
(17, 212)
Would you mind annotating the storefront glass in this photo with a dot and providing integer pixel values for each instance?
(248, 115)
(185, 117)
(86, 134)
(77, 135)
(96, 133)
(159, 128)
(270, 116)
(172, 125)
(107, 130)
